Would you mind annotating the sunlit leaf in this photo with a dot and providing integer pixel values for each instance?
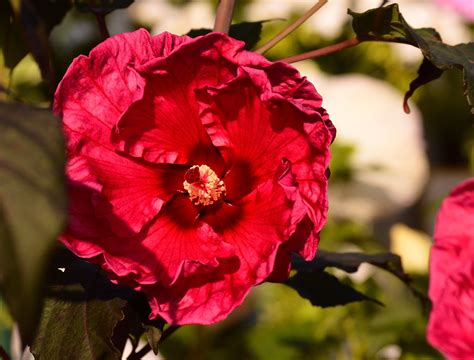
(32, 206)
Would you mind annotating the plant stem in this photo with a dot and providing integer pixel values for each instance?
(104, 32)
(289, 29)
(224, 16)
(323, 51)
(138, 355)
(168, 332)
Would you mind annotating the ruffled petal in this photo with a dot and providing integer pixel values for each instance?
(97, 89)
(256, 136)
(250, 132)
(164, 126)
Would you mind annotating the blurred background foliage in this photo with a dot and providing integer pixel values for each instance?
(274, 322)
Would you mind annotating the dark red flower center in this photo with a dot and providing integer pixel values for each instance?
(203, 185)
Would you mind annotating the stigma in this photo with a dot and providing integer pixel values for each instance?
(203, 185)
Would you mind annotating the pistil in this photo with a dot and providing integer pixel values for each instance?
(203, 185)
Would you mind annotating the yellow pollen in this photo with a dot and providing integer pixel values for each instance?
(203, 185)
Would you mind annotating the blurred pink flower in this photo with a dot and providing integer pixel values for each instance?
(464, 7)
(451, 323)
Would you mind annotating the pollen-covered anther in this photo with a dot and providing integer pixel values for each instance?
(203, 185)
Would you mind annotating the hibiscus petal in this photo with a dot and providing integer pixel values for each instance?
(98, 88)
(86, 235)
(134, 192)
(165, 126)
(257, 135)
(260, 134)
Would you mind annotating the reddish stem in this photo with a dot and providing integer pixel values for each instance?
(292, 27)
(323, 51)
(225, 9)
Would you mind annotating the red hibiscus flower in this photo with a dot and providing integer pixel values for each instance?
(195, 168)
(451, 323)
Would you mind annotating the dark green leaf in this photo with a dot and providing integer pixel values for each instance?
(11, 40)
(388, 24)
(32, 206)
(102, 6)
(27, 31)
(248, 32)
(77, 327)
(350, 262)
(198, 32)
(426, 73)
(36, 31)
(85, 314)
(383, 24)
(52, 12)
(324, 290)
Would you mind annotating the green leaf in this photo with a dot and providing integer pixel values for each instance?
(32, 206)
(248, 32)
(77, 327)
(102, 6)
(324, 290)
(388, 24)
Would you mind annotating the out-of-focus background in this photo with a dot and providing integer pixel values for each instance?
(390, 172)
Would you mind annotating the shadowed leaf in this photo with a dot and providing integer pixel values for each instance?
(81, 329)
(102, 6)
(324, 290)
(350, 262)
(248, 32)
(427, 72)
(11, 40)
(85, 314)
(388, 24)
(32, 206)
